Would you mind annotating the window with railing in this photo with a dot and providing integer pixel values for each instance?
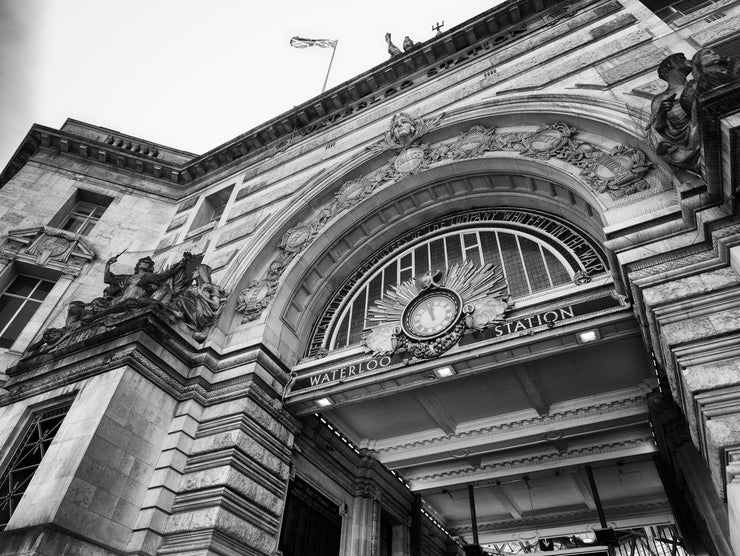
(22, 466)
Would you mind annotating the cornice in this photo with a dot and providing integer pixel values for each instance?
(523, 424)
(149, 346)
(377, 85)
(514, 465)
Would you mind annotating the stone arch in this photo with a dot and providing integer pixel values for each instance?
(549, 185)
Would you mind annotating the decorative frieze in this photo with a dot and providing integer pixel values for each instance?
(617, 173)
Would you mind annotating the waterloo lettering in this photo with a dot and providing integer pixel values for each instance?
(346, 372)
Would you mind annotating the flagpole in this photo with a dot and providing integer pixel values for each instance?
(333, 51)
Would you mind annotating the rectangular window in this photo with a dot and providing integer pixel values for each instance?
(18, 303)
(671, 10)
(80, 214)
(24, 462)
(212, 208)
(83, 217)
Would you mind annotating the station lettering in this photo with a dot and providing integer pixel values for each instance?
(348, 371)
(540, 319)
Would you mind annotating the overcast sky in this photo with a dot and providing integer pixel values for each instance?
(189, 74)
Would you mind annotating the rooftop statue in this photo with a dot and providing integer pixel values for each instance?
(393, 50)
(183, 293)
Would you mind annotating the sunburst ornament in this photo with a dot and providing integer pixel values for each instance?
(429, 314)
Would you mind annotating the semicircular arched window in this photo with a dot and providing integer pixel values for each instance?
(536, 252)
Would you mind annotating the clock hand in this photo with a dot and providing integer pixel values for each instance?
(430, 310)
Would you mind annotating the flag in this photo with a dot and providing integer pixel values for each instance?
(299, 42)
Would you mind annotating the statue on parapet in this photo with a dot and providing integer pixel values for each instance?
(144, 286)
(182, 293)
(672, 131)
(674, 121)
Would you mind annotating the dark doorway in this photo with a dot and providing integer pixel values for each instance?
(312, 525)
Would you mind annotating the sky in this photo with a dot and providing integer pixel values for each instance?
(189, 74)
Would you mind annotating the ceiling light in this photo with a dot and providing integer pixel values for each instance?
(442, 372)
(588, 336)
(324, 402)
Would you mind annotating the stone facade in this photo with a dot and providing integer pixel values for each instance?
(537, 112)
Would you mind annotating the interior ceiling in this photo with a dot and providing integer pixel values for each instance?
(543, 420)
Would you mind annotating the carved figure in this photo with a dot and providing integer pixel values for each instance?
(200, 303)
(139, 287)
(404, 131)
(98, 307)
(407, 43)
(402, 128)
(74, 315)
(393, 50)
(197, 303)
(711, 70)
(50, 337)
(672, 131)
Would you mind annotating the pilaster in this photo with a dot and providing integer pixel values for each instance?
(366, 519)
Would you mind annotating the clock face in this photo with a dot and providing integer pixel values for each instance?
(431, 314)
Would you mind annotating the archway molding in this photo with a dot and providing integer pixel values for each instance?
(300, 287)
(345, 243)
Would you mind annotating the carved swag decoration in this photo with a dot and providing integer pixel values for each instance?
(618, 172)
(182, 293)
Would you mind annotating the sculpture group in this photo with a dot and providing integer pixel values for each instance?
(182, 293)
(673, 129)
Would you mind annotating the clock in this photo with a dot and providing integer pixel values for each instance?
(431, 314)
